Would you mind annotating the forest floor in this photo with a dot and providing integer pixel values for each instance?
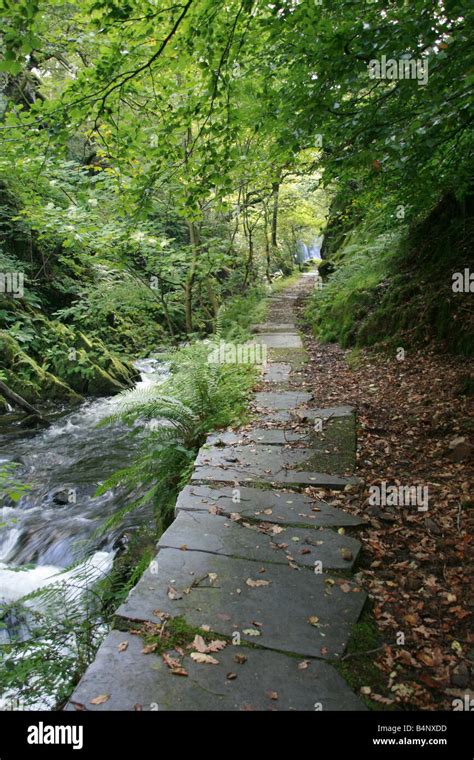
(414, 423)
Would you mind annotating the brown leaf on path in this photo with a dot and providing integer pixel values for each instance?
(171, 662)
(122, 646)
(216, 645)
(303, 665)
(179, 671)
(173, 594)
(78, 705)
(100, 700)
(256, 584)
(204, 658)
(240, 658)
(149, 648)
(198, 644)
(272, 695)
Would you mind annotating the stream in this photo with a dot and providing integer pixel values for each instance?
(55, 522)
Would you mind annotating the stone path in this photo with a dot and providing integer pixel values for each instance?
(252, 558)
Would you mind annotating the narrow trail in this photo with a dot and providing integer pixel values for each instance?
(253, 557)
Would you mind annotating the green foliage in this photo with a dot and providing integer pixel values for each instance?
(11, 489)
(394, 288)
(200, 396)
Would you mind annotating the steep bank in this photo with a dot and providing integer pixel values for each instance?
(391, 284)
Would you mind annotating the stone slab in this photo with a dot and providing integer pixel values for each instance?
(276, 373)
(262, 464)
(205, 532)
(270, 436)
(330, 412)
(280, 340)
(275, 327)
(287, 508)
(282, 400)
(216, 591)
(135, 681)
(306, 415)
(297, 357)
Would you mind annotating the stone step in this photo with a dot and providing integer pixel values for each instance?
(333, 449)
(261, 680)
(300, 413)
(267, 436)
(274, 606)
(282, 400)
(272, 327)
(273, 506)
(279, 340)
(276, 373)
(264, 464)
(264, 542)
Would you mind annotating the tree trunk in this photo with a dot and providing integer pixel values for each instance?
(267, 247)
(249, 236)
(275, 194)
(19, 401)
(191, 276)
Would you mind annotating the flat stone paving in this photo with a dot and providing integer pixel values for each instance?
(253, 562)
(264, 464)
(265, 603)
(276, 373)
(279, 340)
(243, 679)
(269, 327)
(271, 505)
(205, 532)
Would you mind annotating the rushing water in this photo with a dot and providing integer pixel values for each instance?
(56, 521)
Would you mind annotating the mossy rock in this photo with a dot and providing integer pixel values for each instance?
(33, 382)
(27, 378)
(103, 384)
(123, 372)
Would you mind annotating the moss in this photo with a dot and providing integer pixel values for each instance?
(297, 357)
(27, 378)
(173, 632)
(397, 287)
(359, 668)
(103, 384)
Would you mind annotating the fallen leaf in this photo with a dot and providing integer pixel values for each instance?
(216, 645)
(199, 644)
(122, 646)
(256, 584)
(100, 699)
(204, 658)
(149, 648)
(179, 671)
